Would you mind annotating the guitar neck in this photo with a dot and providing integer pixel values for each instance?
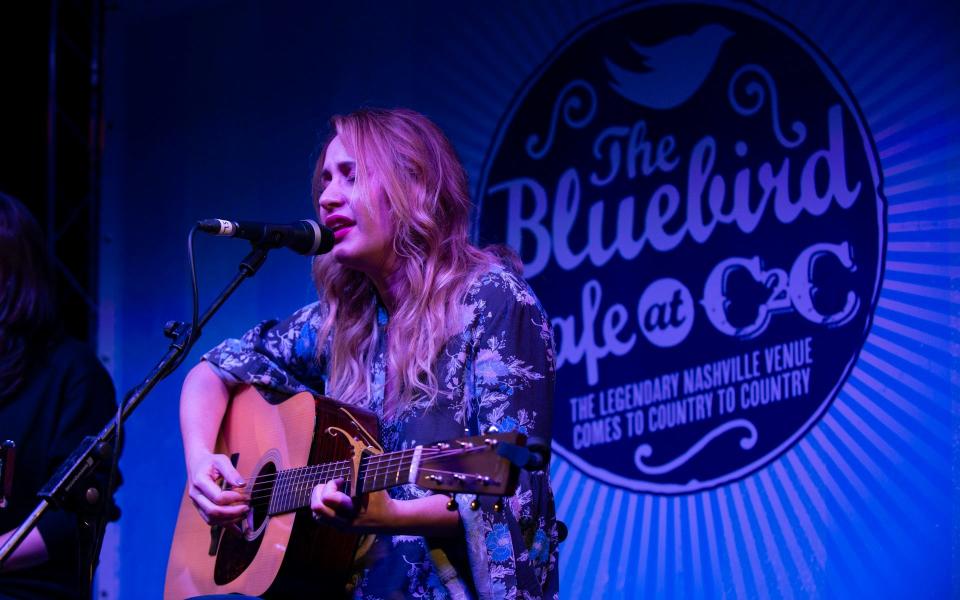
(291, 488)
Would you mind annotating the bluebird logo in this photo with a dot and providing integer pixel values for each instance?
(696, 198)
(675, 68)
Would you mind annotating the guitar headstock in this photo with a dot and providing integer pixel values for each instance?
(470, 465)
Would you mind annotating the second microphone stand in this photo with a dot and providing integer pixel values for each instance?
(93, 450)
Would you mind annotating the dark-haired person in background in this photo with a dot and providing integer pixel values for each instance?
(53, 392)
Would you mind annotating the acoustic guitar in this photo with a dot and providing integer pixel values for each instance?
(288, 448)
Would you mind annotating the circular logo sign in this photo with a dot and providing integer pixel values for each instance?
(697, 201)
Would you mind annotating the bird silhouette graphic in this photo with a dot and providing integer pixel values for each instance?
(678, 67)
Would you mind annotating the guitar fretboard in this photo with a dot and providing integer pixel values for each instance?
(290, 489)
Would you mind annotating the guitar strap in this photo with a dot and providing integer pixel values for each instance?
(448, 575)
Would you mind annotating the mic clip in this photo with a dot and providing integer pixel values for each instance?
(8, 451)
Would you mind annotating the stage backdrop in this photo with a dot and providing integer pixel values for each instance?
(742, 219)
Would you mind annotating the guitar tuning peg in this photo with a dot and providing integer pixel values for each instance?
(474, 504)
(452, 504)
(498, 505)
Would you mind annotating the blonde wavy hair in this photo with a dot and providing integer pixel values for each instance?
(426, 190)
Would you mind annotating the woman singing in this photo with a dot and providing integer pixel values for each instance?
(432, 334)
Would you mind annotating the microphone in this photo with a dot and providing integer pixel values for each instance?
(304, 237)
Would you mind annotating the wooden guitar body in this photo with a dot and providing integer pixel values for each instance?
(279, 555)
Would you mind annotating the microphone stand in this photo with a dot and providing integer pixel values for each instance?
(93, 450)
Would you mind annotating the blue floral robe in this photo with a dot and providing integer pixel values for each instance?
(499, 370)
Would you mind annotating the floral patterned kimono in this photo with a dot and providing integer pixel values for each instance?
(499, 370)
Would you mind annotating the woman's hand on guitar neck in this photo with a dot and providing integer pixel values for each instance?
(379, 513)
(217, 505)
(333, 507)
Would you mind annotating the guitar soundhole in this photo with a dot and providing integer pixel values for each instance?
(260, 496)
(238, 551)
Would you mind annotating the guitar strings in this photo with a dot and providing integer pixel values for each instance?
(300, 494)
(375, 464)
(372, 472)
(296, 495)
(302, 479)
